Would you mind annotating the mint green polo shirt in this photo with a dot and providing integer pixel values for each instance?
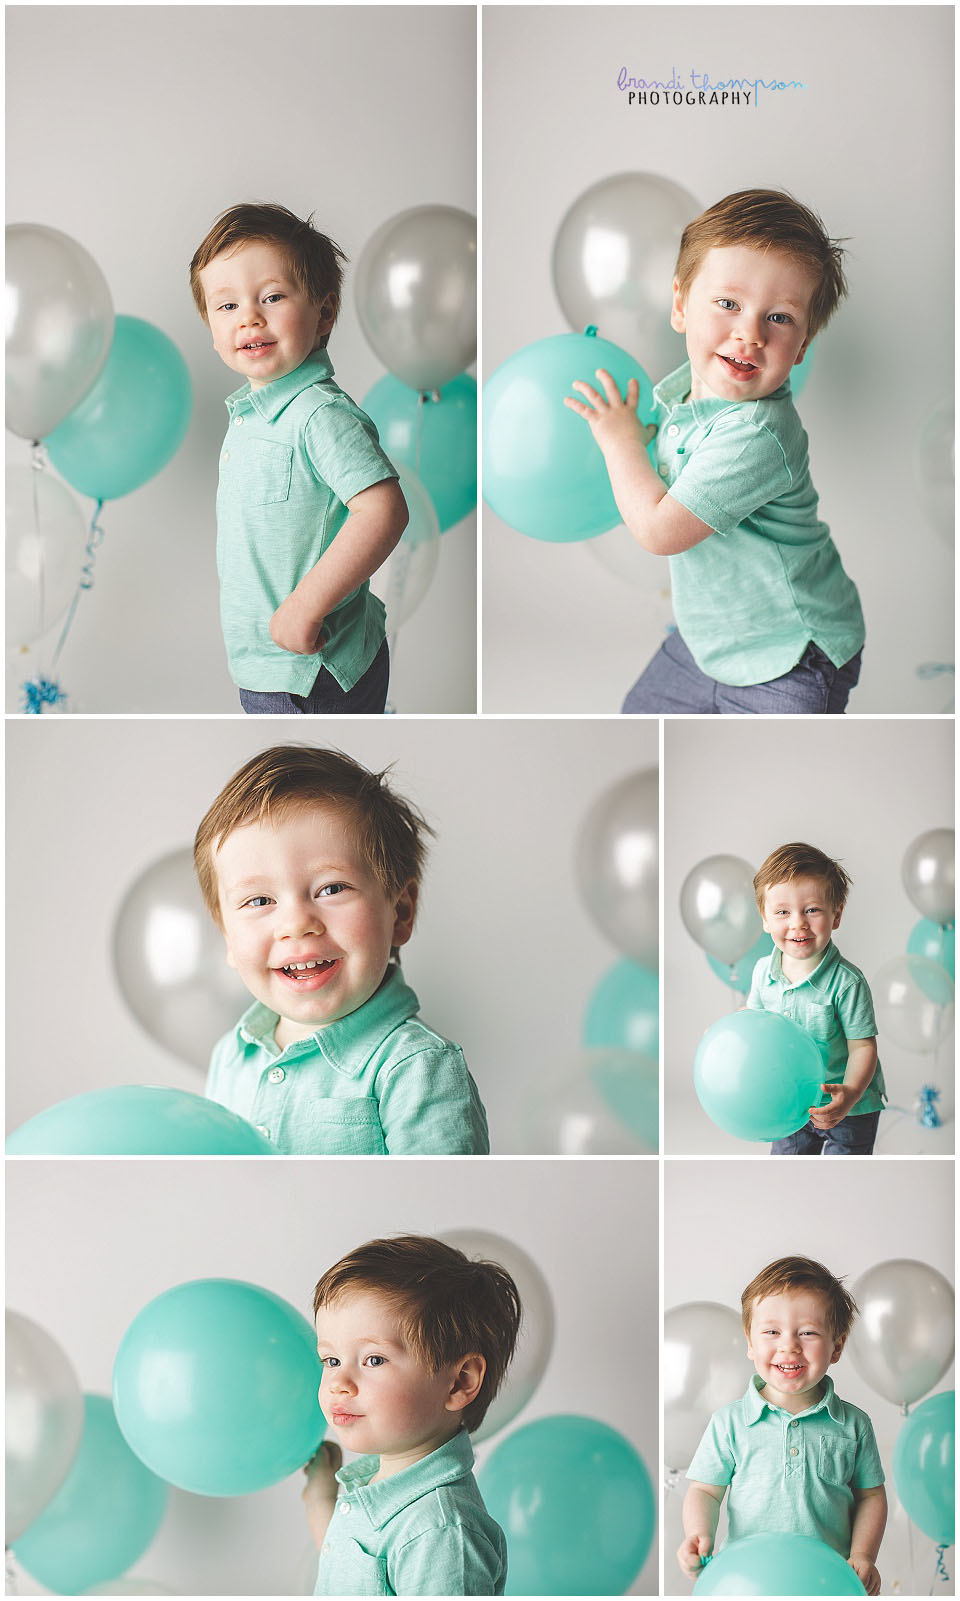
(424, 1531)
(833, 1004)
(294, 453)
(789, 1473)
(750, 599)
(374, 1083)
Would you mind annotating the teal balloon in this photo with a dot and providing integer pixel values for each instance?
(756, 1075)
(923, 1454)
(739, 975)
(542, 471)
(777, 1564)
(623, 1013)
(133, 419)
(102, 1518)
(576, 1505)
(215, 1387)
(137, 1120)
(446, 463)
(935, 942)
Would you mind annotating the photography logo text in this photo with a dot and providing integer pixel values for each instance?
(699, 89)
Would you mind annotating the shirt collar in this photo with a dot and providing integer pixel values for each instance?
(670, 392)
(349, 1043)
(271, 400)
(818, 979)
(756, 1407)
(384, 1499)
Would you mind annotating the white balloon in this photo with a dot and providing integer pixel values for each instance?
(59, 327)
(902, 1343)
(929, 875)
(46, 536)
(402, 581)
(719, 909)
(416, 293)
(914, 1002)
(607, 1105)
(43, 1421)
(705, 1366)
(618, 865)
(535, 1341)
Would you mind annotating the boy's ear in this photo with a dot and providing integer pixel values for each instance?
(406, 911)
(467, 1381)
(836, 918)
(838, 1346)
(678, 320)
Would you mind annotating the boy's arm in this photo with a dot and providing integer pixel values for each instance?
(861, 1066)
(657, 521)
(701, 1513)
(378, 516)
(319, 1494)
(869, 1522)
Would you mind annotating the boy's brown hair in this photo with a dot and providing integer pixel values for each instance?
(768, 219)
(389, 832)
(315, 263)
(801, 1273)
(788, 862)
(448, 1306)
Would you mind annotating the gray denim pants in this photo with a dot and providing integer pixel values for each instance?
(673, 682)
(369, 694)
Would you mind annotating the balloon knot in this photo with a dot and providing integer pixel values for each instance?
(40, 692)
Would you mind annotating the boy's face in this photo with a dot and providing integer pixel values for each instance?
(745, 318)
(791, 1344)
(374, 1391)
(799, 918)
(308, 926)
(263, 326)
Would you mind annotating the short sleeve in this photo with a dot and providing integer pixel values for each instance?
(854, 1008)
(867, 1469)
(342, 447)
(713, 1461)
(429, 1105)
(754, 1002)
(454, 1559)
(736, 470)
(218, 1085)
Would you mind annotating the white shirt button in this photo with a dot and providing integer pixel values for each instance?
(672, 431)
(795, 1424)
(225, 456)
(344, 1507)
(794, 1451)
(264, 1131)
(325, 1551)
(238, 422)
(664, 471)
(276, 1075)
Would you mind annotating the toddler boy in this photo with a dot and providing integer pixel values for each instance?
(767, 619)
(310, 866)
(801, 894)
(308, 505)
(415, 1340)
(796, 1459)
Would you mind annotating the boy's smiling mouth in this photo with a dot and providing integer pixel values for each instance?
(739, 369)
(309, 975)
(254, 346)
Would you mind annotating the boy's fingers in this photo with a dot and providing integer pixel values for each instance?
(587, 392)
(609, 387)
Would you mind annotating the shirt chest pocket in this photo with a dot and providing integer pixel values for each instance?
(837, 1459)
(264, 471)
(821, 1022)
(364, 1573)
(339, 1128)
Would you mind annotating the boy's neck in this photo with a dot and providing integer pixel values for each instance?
(392, 1462)
(796, 968)
(793, 1403)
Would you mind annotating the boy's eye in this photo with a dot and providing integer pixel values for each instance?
(331, 889)
(780, 316)
(258, 900)
(228, 305)
(275, 295)
(330, 1361)
(375, 1361)
(726, 305)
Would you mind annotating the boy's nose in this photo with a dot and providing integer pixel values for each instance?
(296, 920)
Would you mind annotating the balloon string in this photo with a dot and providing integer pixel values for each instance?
(939, 1571)
(421, 397)
(94, 541)
(935, 669)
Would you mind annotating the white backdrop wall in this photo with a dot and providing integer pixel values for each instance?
(861, 791)
(130, 128)
(89, 1243)
(871, 152)
(853, 1217)
(504, 956)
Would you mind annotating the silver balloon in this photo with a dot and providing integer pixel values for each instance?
(613, 264)
(608, 1106)
(902, 1342)
(536, 1330)
(59, 327)
(929, 875)
(170, 962)
(416, 290)
(719, 909)
(403, 579)
(618, 865)
(705, 1366)
(914, 1001)
(44, 1421)
(46, 535)
(935, 468)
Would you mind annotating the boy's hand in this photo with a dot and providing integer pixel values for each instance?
(693, 1548)
(613, 421)
(321, 1485)
(866, 1573)
(294, 627)
(841, 1100)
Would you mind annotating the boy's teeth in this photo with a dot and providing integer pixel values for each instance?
(303, 967)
